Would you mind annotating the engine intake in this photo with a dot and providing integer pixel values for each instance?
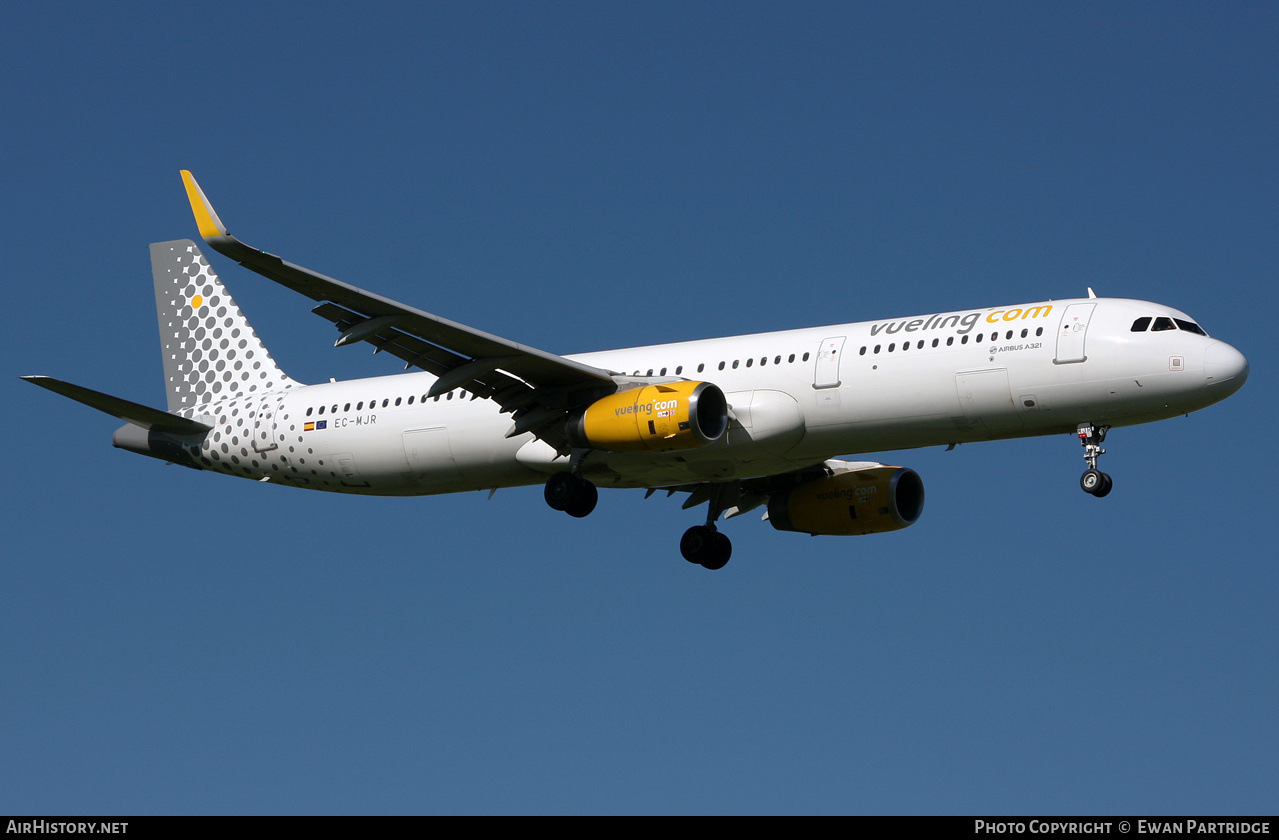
(652, 418)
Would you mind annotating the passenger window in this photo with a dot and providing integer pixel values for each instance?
(308, 411)
(905, 345)
(1190, 326)
(1141, 324)
(1162, 324)
(663, 372)
(701, 366)
(321, 409)
(877, 346)
(750, 362)
(721, 365)
(777, 361)
(1039, 331)
(335, 409)
(679, 370)
(920, 345)
(397, 400)
(805, 357)
(411, 400)
(892, 347)
(950, 339)
(764, 361)
(964, 340)
(650, 372)
(792, 358)
(1024, 333)
(862, 352)
(935, 340)
(1009, 336)
(346, 407)
(734, 364)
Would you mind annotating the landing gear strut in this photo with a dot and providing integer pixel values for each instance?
(571, 493)
(1093, 480)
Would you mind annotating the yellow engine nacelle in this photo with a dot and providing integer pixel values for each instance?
(868, 501)
(654, 418)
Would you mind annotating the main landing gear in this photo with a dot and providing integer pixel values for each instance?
(1093, 480)
(706, 547)
(703, 545)
(571, 493)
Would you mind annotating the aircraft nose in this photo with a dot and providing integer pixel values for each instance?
(1224, 367)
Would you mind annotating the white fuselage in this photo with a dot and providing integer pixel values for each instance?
(798, 398)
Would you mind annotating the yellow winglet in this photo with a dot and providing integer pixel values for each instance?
(205, 219)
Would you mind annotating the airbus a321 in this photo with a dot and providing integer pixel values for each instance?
(737, 423)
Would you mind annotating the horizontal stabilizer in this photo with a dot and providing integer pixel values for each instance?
(139, 415)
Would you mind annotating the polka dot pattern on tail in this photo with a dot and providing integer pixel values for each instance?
(211, 353)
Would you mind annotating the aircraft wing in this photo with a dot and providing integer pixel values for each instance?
(535, 386)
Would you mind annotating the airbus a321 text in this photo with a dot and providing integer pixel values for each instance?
(737, 423)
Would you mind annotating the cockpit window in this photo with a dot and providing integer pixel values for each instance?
(1141, 324)
(1190, 326)
(1162, 324)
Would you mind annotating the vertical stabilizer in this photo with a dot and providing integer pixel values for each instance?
(210, 351)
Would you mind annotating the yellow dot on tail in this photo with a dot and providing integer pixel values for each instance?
(196, 301)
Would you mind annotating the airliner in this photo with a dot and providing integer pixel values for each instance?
(737, 423)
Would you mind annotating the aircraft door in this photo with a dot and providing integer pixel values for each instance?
(1070, 335)
(264, 424)
(986, 400)
(429, 454)
(826, 375)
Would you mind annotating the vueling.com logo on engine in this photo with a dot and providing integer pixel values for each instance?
(662, 408)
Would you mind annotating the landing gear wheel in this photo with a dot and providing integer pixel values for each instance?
(722, 552)
(561, 489)
(1096, 482)
(585, 503)
(706, 547)
(570, 493)
(693, 544)
(1106, 484)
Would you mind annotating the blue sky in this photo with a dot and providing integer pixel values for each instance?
(585, 176)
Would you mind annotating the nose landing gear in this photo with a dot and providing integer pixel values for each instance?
(1093, 480)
